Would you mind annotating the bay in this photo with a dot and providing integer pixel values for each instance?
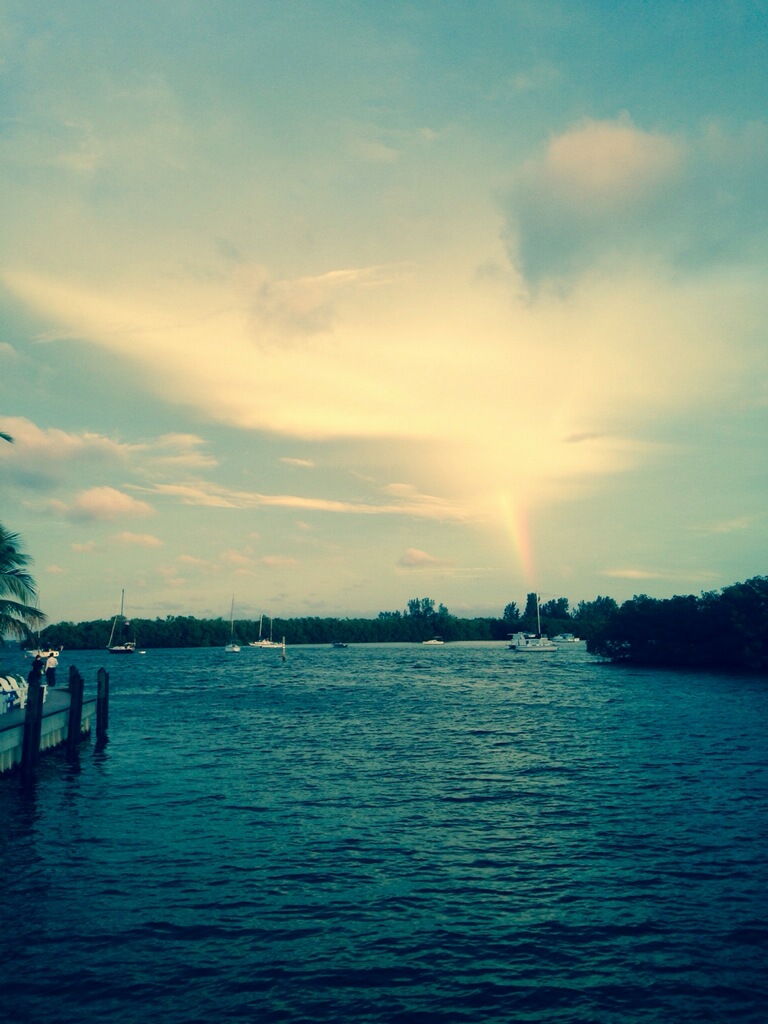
(394, 833)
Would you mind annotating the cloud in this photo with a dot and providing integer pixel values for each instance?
(413, 558)
(295, 309)
(103, 504)
(600, 164)
(591, 192)
(178, 451)
(605, 193)
(279, 561)
(412, 503)
(142, 540)
(629, 573)
(302, 463)
(727, 525)
(39, 457)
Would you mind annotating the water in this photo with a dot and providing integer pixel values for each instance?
(392, 833)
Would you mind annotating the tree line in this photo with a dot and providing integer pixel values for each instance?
(726, 629)
(420, 620)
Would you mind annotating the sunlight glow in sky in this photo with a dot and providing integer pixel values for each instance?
(333, 305)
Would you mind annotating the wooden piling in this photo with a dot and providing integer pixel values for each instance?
(76, 686)
(33, 722)
(102, 705)
(283, 648)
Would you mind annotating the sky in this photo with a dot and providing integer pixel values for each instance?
(329, 304)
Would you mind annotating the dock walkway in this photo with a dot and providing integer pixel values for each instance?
(54, 729)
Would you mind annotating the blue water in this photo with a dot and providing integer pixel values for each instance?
(392, 833)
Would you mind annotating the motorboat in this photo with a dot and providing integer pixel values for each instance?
(565, 638)
(434, 641)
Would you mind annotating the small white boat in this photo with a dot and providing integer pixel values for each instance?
(232, 647)
(531, 643)
(435, 640)
(45, 652)
(565, 638)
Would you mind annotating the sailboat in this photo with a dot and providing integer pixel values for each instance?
(265, 642)
(118, 625)
(532, 643)
(43, 652)
(232, 647)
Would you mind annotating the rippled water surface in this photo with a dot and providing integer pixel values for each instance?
(394, 833)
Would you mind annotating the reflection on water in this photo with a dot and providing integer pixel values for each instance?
(392, 833)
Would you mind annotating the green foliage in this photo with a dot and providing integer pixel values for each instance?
(591, 617)
(17, 590)
(421, 622)
(728, 630)
(512, 616)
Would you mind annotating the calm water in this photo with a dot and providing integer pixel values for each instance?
(394, 834)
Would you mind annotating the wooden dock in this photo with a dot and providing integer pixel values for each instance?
(54, 725)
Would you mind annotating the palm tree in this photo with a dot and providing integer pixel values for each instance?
(17, 590)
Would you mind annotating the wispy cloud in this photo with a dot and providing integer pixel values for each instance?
(104, 504)
(633, 573)
(210, 494)
(413, 558)
(726, 525)
(142, 540)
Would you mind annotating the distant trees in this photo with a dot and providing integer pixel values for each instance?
(721, 630)
(511, 616)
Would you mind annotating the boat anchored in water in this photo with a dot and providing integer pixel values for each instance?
(532, 643)
(232, 647)
(565, 638)
(118, 627)
(265, 642)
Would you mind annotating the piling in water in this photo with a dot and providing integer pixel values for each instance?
(33, 722)
(76, 686)
(102, 705)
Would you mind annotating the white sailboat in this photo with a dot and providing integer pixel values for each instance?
(118, 626)
(532, 643)
(265, 642)
(232, 647)
(43, 652)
